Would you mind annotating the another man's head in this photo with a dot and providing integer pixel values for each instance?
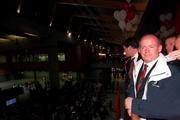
(169, 43)
(177, 42)
(130, 47)
(149, 47)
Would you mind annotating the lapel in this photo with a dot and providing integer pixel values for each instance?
(139, 57)
(127, 64)
(136, 70)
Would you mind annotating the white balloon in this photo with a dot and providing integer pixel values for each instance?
(122, 14)
(116, 14)
(128, 26)
(162, 29)
(162, 17)
(169, 16)
(172, 30)
(166, 33)
(128, 1)
(135, 19)
(163, 34)
(122, 25)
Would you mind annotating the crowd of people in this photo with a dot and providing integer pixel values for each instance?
(152, 77)
(80, 101)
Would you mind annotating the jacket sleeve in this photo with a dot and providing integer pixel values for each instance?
(130, 89)
(159, 110)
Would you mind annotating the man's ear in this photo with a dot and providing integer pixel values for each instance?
(160, 48)
(139, 50)
(130, 48)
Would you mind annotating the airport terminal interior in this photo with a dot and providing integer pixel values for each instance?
(63, 59)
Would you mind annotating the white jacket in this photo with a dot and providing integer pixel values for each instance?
(160, 72)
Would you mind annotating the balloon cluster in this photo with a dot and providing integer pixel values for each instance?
(127, 16)
(167, 25)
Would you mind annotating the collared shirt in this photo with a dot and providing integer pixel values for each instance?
(135, 57)
(150, 64)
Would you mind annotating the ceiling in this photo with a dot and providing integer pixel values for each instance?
(91, 20)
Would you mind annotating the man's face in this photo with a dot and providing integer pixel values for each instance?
(177, 43)
(149, 48)
(127, 51)
(169, 43)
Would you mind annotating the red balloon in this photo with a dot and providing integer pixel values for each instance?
(130, 15)
(132, 8)
(130, 11)
(125, 6)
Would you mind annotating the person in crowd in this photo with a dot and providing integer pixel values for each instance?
(132, 56)
(130, 47)
(177, 42)
(176, 62)
(175, 54)
(170, 43)
(156, 89)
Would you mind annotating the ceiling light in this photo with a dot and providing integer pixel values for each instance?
(31, 34)
(3, 40)
(102, 54)
(19, 7)
(50, 24)
(69, 34)
(85, 40)
(14, 37)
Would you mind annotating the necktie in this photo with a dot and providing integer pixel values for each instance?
(142, 74)
(130, 72)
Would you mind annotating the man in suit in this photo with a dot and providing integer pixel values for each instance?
(158, 96)
(130, 47)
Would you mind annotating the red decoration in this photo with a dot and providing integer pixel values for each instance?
(130, 10)
(130, 15)
(125, 6)
(127, 16)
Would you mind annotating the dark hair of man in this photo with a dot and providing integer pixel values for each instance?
(131, 41)
(172, 35)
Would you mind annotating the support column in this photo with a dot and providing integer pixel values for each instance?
(53, 64)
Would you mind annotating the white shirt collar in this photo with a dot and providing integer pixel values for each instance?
(150, 64)
(135, 57)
